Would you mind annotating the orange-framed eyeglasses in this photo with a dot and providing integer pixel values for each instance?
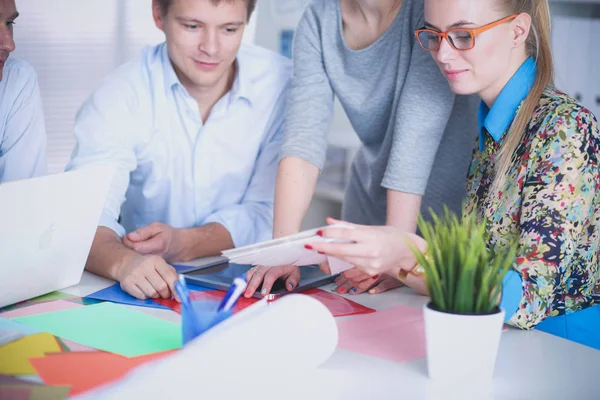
(458, 38)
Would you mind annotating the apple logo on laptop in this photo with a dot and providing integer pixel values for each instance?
(46, 237)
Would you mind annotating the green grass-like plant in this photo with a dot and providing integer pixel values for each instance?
(463, 275)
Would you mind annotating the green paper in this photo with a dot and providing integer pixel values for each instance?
(53, 296)
(109, 327)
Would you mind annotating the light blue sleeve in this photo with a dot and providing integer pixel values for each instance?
(251, 220)
(104, 133)
(23, 149)
(512, 292)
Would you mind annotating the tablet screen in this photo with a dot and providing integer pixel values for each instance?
(221, 276)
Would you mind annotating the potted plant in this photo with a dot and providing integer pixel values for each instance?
(463, 321)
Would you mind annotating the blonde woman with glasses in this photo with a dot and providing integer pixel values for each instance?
(415, 134)
(534, 175)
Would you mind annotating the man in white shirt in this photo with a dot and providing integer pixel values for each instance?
(194, 128)
(22, 131)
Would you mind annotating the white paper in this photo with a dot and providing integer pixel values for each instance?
(295, 334)
(289, 250)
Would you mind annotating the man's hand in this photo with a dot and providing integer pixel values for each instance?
(158, 239)
(147, 276)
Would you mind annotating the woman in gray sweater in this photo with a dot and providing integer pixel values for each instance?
(409, 122)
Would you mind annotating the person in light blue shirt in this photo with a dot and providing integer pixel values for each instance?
(22, 130)
(194, 129)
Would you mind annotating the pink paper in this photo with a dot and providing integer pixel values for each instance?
(76, 346)
(397, 334)
(41, 308)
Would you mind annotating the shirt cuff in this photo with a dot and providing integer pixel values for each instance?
(110, 223)
(512, 292)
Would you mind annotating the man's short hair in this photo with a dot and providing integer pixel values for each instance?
(165, 4)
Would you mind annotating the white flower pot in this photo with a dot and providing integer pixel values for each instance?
(462, 347)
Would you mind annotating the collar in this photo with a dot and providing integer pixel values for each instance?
(497, 120)
(242, 84)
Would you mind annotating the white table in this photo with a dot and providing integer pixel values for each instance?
(531, 365)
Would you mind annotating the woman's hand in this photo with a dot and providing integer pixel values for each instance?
(354, 281)
(373, 249)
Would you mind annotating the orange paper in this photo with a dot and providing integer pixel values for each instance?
(87, 370)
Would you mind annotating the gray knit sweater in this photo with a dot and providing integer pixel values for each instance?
(409, 122)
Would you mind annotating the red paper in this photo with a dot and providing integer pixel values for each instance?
(338, 306)
(209, 295)
(86, 370)
(396, 334)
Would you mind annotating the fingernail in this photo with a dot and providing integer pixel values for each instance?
(353, 290)
(308, 247)
(372, 291)
(321, 253)
(247, 294)
(319, 233)
(341, 290)
(290, 285)
(334, 288)
(376, 277)
(263, 292)
(134, 236)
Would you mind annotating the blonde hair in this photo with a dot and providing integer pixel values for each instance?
(538, 47)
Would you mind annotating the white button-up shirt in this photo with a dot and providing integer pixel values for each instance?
(22, 129)
(174, 169)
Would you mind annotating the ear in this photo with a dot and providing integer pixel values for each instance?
(157, 15)
(520, 28)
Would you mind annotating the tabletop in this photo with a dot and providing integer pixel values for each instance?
(530, 364)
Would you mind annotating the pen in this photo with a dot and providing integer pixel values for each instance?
(182, 292)
(233, 294)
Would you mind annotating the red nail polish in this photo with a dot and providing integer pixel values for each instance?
(319, 233)
(308, 247)
(376, 277)
(341, 290)
(321, 253)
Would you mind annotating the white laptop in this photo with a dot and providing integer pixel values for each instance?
(47, 226)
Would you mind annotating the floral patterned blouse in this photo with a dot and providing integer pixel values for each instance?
(550, 203)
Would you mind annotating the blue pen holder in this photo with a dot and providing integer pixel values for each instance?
(202, 316)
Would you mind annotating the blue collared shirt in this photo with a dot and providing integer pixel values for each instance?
(172, 167)
(498, 119)
(22, 130)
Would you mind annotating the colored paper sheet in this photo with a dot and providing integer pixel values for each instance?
(115, 294)
(15, 392)
(397, 334)
(12, 380)
(208, 295)
(85, 371)
(85, 301)
(47, 297)
(10, 325)
(109, 327)
(338, 306)
(33, 392)
(40, 308)
(72, 346)
(15, 356)
(53, 296)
